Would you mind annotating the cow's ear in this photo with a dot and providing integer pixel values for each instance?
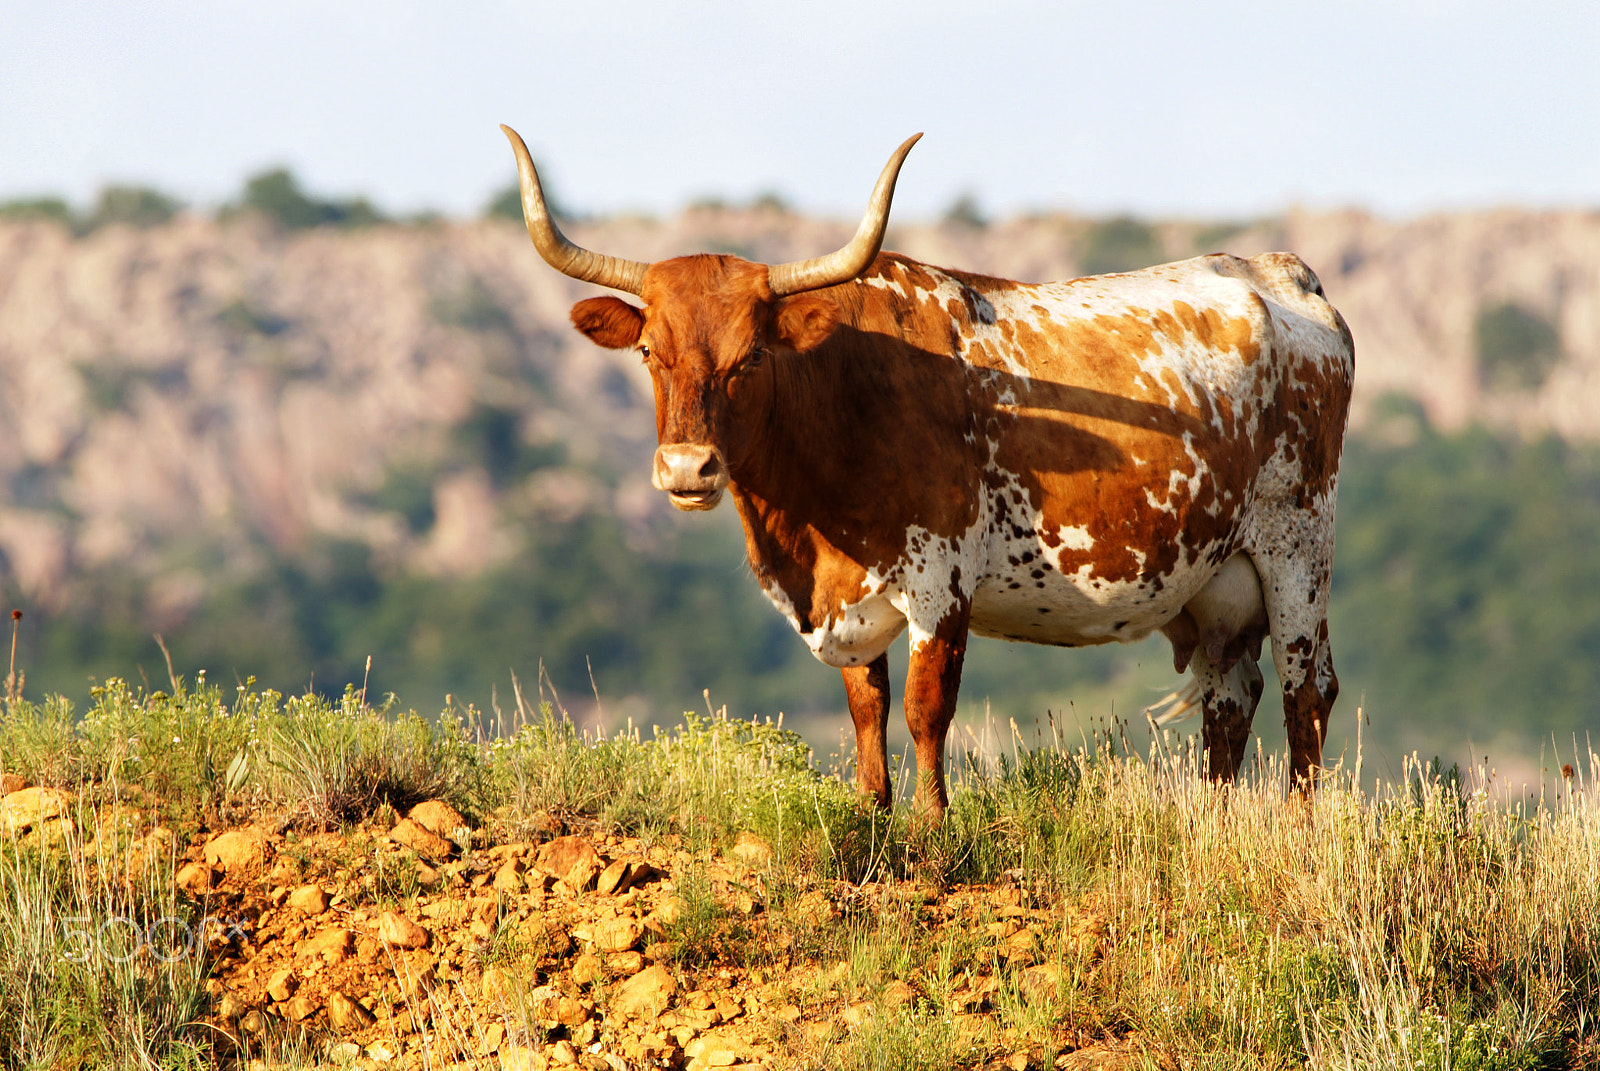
(806, 320)
(608, 321)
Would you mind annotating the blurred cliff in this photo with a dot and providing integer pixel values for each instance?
(201, 411)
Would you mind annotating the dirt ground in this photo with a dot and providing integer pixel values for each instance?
(426, 944)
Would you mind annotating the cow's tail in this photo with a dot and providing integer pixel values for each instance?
(1175, 706)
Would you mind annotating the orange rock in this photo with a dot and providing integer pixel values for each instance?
(301, 1008)
(239, 852)
(415, 836)
(331, 946)
(572, 859)
(22, 810)
(613, 879)
(438, 817)
(398, 931)
(508, 879)
(347, 1014)
(281, 986)
(625, 963)
(231, 1006)
(195, 877)
(616, 935)
(499, 985)
(309, 900)
(552, 1008)
(712, 1050)
(646, 994)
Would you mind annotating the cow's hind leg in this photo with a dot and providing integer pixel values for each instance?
(867, 688)
(1228, 699)
(1295, 576)
(1305, 666)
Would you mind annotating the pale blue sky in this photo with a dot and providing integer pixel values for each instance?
(1219, 109)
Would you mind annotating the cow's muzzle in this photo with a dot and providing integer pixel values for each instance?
(694, 476)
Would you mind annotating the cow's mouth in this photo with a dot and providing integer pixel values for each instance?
(696, 500)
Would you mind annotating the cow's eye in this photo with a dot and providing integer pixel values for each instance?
(644, 350)
(751, 362)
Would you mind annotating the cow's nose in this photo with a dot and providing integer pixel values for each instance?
(692, 474)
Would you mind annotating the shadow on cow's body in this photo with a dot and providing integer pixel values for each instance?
(923, 450)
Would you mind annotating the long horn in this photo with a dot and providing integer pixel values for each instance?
(562, 255)
(845, 264)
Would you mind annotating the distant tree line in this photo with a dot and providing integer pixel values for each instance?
(274, 194)
(136, 206)
(1466, 604)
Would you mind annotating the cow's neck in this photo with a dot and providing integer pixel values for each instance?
(800, 494)
(838, 463)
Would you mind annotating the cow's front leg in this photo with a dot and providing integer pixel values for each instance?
(932, 684)
(867, 688)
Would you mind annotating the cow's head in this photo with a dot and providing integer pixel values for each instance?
(707, 326)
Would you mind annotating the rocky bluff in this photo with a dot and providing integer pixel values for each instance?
(227, 383)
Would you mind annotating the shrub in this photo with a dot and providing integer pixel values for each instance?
(276, 195)
(1120, 244)
(1517, 347)
(507, 204)
(339, 763)
(40, 208)
(136, 206)
(965, 213)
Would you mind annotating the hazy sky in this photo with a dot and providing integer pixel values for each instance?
(1216, 108)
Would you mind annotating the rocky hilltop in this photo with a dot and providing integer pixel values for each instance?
(413, 388)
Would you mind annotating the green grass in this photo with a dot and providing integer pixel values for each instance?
(101, 962)
(1071, 896)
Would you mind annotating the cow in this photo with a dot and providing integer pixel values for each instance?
(923, 450)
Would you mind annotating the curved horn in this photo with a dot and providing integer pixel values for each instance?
(845, 264)
(562, 255)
